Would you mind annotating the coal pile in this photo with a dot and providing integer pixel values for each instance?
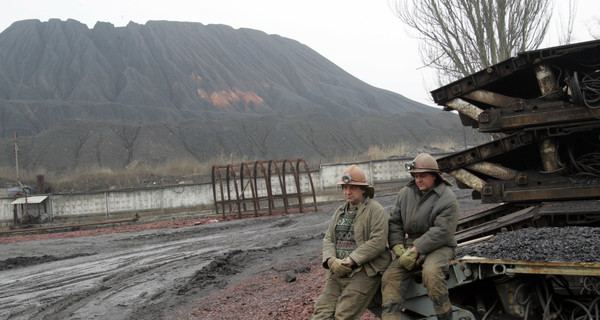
(560, 244)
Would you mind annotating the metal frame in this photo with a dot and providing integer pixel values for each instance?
(250, 177)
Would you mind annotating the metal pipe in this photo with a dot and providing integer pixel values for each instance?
(493, 170)
(491, 98)
(465, 108)
(470, 242)
(546, 79)
(547, 149)
(468, 178)
(71, 226)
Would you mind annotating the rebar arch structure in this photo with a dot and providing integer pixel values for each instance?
(233, 185)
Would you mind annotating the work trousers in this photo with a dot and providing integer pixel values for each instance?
(346, 297)
(394, 283)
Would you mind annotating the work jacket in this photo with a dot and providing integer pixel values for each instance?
(427, 221)
(370, 234)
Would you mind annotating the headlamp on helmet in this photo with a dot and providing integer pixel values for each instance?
(354, 175)
(411, 166)
(347, 178)
(424, 162)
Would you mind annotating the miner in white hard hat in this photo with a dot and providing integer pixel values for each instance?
(421, 235)
(354, 250)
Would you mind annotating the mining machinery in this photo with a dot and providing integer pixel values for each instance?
(533, 252)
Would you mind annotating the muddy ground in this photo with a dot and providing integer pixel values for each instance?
(160, 273)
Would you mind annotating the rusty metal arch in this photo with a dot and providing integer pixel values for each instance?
(312, 186)
(296, 173)
(252, 183)
(230, 171)
(267, 177)
(216, 175)
(296, 181)
(281, 183)
(248, 176)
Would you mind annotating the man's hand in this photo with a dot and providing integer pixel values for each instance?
(350, 263)
(339, 267)
(409, 258)
(398, 250)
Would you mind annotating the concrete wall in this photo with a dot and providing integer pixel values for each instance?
(110, 203)
(113, 204)
(377, 171)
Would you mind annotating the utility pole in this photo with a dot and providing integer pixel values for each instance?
(17, 160)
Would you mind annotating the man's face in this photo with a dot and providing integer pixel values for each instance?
(425, 180)
(353, 194)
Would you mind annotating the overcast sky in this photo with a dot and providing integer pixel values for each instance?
(362, 37)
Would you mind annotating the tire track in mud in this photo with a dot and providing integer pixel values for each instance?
(262, 249)
(108, 278)
(19, 262)
(144, 274)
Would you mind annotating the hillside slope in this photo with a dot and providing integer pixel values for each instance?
(106, 97)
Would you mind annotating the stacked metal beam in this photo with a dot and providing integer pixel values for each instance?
(543, 107)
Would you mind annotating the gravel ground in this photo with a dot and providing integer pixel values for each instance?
(572, 244)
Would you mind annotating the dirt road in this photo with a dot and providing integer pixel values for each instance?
(145, 274)
(154, 273)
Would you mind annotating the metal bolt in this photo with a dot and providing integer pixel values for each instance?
(521, 179)
(456, 89)
(518, 106)
(487, 190)
(484, 117)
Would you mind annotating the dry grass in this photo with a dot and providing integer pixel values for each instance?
(399, 150)
(180, 171)
(377, 152)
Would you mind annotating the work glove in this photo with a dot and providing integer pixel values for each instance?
(339, 267)
(408, 259)
(398, 250)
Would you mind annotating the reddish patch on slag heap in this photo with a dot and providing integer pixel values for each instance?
(224, 98)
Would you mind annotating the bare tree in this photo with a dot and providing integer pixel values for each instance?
(595, 32)
(460, 37)
(565, 34)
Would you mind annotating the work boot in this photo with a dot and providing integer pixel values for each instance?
(445, 316)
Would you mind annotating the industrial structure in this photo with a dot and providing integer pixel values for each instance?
(541, 172)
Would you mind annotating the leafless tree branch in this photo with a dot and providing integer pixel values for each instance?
(461, 37)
